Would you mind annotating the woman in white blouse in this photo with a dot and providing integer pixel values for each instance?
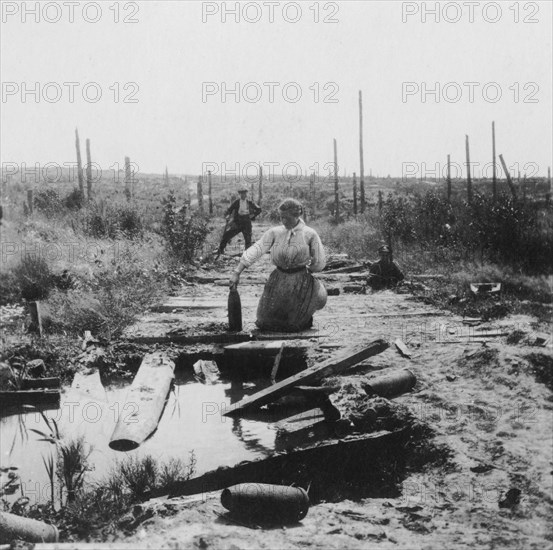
(291, 294)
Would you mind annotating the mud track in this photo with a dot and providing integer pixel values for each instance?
(486, 400)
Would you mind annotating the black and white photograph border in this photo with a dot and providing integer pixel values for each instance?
(276, 274)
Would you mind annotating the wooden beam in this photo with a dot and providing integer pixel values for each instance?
(469, 180)
(494, 164)
(336, 191)
(79, 162)
(336, 365)
(361, 161)
(147, 396)
(269, 348)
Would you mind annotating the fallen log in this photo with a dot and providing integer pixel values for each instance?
(147, 394)
(328, 367)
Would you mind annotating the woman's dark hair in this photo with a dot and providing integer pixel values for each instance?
(291, 205)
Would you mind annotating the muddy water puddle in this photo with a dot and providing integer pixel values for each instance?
(191, 421)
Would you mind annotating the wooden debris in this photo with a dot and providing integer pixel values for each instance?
(287, 468)
(271, 347)
(276, 363)
(36, 383)
(485, 288)
(304, 429)
(347, 269)
(331, 366)
(402, 348)
(36, 318)
(29, 397)
(147, 394)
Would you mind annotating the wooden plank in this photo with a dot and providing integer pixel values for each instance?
(336, 365)
(29, 396)
(347, 269)
(35, 383)
(378, 315)
(192, 302)
(148, 394)
(269, 347)
(207, 338)
(402, 348)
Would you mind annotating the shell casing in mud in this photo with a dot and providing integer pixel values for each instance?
(265, 502)
(391, 384)
(234, 311)
(13, 527)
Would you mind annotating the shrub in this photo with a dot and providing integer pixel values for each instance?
(35, 279)
(48, 202)
(108, 303)
(113, 221)
(75, 200)
(185, 234)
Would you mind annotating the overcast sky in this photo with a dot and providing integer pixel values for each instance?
(176, 58)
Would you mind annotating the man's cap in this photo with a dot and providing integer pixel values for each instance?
(385, 249)
(242, 188)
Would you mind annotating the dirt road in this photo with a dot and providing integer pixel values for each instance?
(488, 398)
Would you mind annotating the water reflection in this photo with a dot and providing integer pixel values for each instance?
(191, 421)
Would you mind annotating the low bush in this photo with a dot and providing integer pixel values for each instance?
(34, 278)
(113, 221)
(47, 201)
(185, 234)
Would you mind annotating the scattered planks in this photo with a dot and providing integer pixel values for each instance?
(148, 394)
(349, 358)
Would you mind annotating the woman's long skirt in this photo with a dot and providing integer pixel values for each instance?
(289, 301)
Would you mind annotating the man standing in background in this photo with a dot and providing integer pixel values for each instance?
(239, 216)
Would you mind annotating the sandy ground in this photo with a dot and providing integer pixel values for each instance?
(483, 399)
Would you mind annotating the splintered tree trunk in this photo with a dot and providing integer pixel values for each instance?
(200, 193)
(79, 162)
(354, 194)
(508, 176)
(469, 181)
(128, 178)
(210, 192)
(260, 189)
(336, 193)
(361, 162)
(448, 178)
(88, 171)
(494, 164)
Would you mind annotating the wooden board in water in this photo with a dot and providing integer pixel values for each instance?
(147, 394)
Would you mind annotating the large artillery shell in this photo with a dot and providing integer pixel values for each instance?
(234, 311)
(392, 384)
(13, 527)
(265, 502)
